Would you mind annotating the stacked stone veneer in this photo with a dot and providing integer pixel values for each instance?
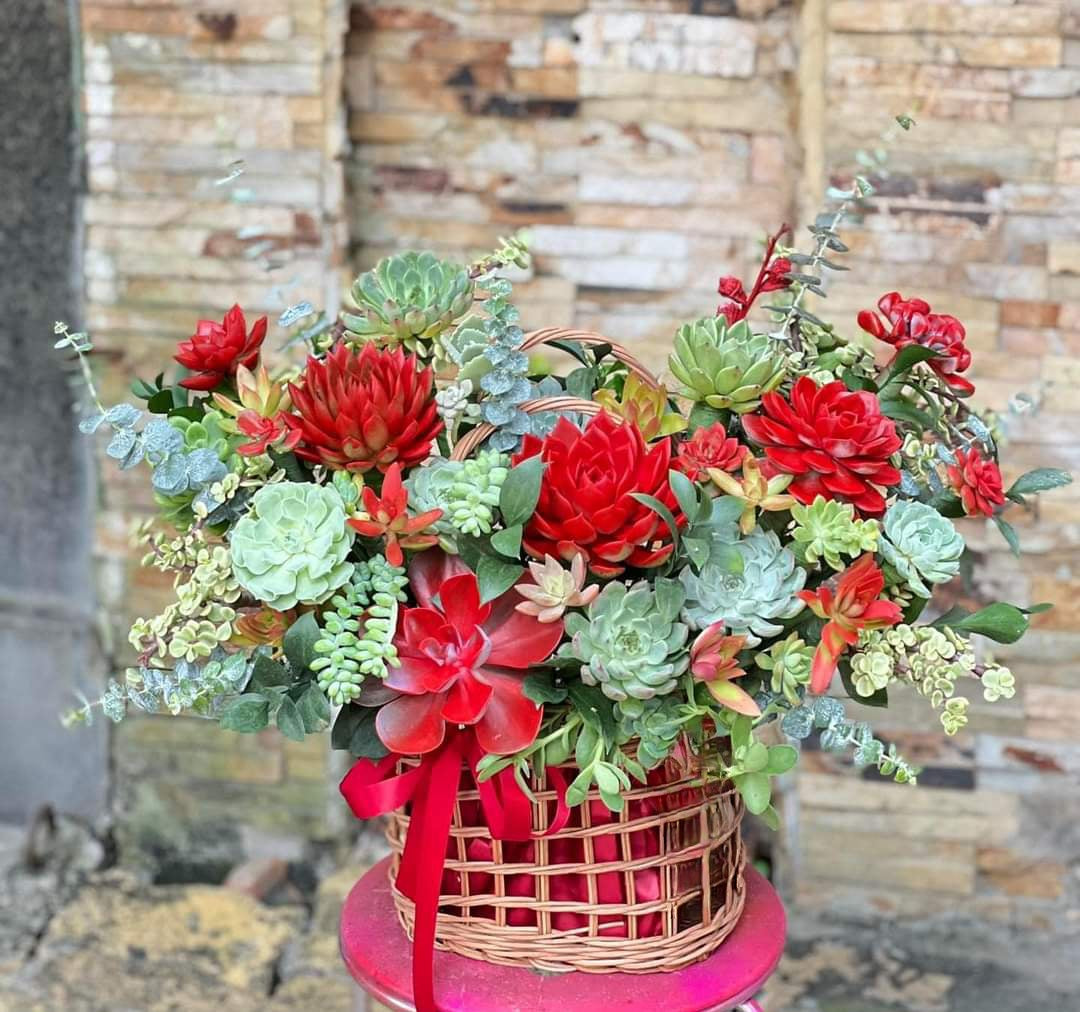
(649, 144)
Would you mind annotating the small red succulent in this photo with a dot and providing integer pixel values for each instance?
(587, 502)
(977, 480)
(215, 350)
(282, 432)
(462, 662)
(388, 518)
(772, 276)
(709, 447)
(854, 605)
(910, 321)
(714, 660)
(835, 441)
(367, 409)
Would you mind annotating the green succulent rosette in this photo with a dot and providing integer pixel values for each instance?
(749, 584)
(631, 643)
(921, 545)
(292, 547)
(409, 298)
(726, 366)
(827, 530)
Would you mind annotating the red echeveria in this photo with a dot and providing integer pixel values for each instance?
(586, 498)
(366, 410)
(215, 350)
(388, 518)
(835, 441)
(977, 480)
(910, 321)
(709, 446)
(855, 605)
(462, 662)
(282, 432)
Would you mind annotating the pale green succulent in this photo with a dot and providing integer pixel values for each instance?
(293, 547)
(409, 298)
(631, 643)
(788, 663)
(473, 497)
(656, 728)
(748, 584)
(727, 367)
(921, 545)
(430, 488)
(827, 529)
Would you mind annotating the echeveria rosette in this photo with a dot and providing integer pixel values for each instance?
(462, 663)
(293, 546)
(216, 350)
(587, 502)
(728, 367)
(835, 441)
(827, 530)
(710, 447)
(921, 545)
(365, 410)
(977, 481)
(750, 584)
(631, 642)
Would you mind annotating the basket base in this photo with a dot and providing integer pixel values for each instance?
(379, 956)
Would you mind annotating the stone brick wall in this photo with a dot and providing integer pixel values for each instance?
(649, 144)
(178, 97)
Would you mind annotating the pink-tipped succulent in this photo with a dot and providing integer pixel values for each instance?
(714, 660)
(555, 589)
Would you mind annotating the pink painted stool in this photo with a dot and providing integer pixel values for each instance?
(378, 955)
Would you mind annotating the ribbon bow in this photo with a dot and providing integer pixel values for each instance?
(372, 788)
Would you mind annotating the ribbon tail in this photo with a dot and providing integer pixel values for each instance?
(562, 809)
(421, 872)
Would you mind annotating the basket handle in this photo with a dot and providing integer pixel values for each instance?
(474, 437)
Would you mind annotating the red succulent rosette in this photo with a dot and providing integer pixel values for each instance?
(367, 409)
(586, 498)
(462, 662)
(835, 441)
(282, 432)
(910, 321)
(977, 480)
(709, 446)
(215, 350)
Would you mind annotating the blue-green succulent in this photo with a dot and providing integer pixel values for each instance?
(921, 545)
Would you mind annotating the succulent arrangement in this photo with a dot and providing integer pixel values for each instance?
(398, 540)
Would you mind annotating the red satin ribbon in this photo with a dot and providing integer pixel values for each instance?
(371, 788)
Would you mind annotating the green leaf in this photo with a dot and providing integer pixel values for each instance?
(314, 708)
(658, 507)
(508, 541)
(289, 722)
(540, 687)
(685, 492)
(903, 411)
(354, 732)
(578, 791)
(781, 759)
(906, 359)
(1042, 479)
(143, 390)
(702, 416)
(594, 707)
(496, 577)
(299, 642)
(571, 348)
(697, 550)
(1008, 532)
(756, 790)
(267, 673)
(521, 491)
(582, 382)
(160, 403)
(1000, 622)
(247, 713)
(771, 818)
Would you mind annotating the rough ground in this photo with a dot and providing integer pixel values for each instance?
(78, 940)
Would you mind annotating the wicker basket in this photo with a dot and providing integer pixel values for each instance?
(653, 889)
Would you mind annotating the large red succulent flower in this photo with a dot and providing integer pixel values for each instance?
(586, 498)
(854, 605)
(215, 350)
(462, 662)
(910, 321)
(835, 441)
(977, 480)
(360, 410)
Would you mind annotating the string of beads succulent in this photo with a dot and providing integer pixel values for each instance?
(358, 632)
